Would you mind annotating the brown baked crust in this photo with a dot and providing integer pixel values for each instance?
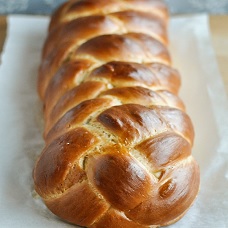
(118, 139)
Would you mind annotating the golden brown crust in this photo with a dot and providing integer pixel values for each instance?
(128, 47)
(130, 183)
(133, 123)
(118, 139)
(83, 210)
(72, 98)
(81, 8)
(114, 218)
(67, 77)
(152, 75)
(179, 186)
(59, 159)
(164, 149)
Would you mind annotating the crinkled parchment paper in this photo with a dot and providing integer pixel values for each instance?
(21, 122)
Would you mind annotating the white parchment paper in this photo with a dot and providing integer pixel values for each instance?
(21, 133)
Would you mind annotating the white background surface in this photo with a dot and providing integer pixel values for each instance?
(20, 122)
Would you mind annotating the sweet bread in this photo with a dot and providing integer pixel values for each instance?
(118, 139)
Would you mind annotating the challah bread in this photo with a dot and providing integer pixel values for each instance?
(118, 139)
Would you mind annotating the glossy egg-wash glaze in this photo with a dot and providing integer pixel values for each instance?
(118, 139)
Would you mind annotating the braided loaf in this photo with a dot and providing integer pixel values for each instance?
(118, 141)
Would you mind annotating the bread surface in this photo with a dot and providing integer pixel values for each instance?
(118, 139)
